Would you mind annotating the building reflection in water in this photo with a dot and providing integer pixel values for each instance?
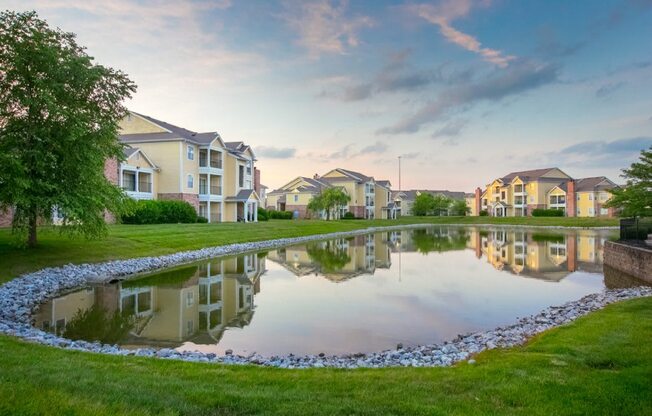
(195, 304)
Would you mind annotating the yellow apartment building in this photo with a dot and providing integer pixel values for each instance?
(369, 198)
(519, 193)
(164, 161)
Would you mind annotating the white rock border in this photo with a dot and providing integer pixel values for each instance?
(19, 298)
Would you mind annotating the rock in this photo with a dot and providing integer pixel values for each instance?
(471, 361)
(228, 352)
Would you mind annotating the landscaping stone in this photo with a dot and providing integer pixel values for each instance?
(21, 297)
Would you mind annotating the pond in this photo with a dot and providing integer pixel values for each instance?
(360, 294)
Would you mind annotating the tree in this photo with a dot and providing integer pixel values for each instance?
(59, 114)
(423, 204)
(329, 200)
(459, 208)
(440, 205)
(635, 199)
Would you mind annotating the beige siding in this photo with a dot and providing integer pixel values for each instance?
(167, 156)
(133, 124)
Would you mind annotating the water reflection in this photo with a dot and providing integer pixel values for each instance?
(443, 281)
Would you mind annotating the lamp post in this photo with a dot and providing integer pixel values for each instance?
(399, 173)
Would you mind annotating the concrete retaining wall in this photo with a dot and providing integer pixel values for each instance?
(633, 260)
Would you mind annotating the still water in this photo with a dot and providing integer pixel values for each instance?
(361, 294)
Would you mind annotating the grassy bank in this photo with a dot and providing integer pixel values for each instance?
(127, 241)
(601, 364)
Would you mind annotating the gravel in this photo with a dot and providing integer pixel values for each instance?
(21, 297)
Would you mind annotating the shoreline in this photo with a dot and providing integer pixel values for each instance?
(20, 298)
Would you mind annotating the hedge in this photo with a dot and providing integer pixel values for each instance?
(263, 214)
(160, 212)
(348, 216)
(280, 215)
(547, 212)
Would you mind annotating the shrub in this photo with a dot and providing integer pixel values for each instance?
(263, 214)
(547, 212)
(280, 215)
(348, 216)
(160, 212)
(484, 213)
(202, 220)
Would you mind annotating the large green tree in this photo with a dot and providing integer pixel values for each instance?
(635, 199)
(329, 200)
(428, 204)
(59, 114)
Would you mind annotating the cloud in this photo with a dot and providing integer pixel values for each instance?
(275, 152)
(549, 45)
(601, 153)
(609, 88)
(357, 92)
(323, 27)
(376, 148)
(517, 79)
(451, 129)
(443, 14)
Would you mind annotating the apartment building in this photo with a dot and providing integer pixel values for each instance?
(164, 161)
(370, 198)
(519, 193)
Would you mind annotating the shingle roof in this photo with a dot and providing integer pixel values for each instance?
(242, 196)
(128, 151)
(175, 133)
(385, 183)
(527, 174)
(593, 184)
(356, 176)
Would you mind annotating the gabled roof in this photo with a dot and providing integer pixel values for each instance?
(413, 193)
(237, 149)
(385, 184)
(529, 175)
(130, 151)
(597, 183)
(242, 196)
(348, 175)
(173, 133)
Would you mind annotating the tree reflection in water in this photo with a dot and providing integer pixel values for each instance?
(426, 240)
(98, 324)
(328, 256)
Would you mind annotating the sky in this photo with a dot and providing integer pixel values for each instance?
(463, 91)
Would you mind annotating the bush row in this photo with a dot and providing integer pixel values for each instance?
(265, 215)
(161, 212)
(539, 212)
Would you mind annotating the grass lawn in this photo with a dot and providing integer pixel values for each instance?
(127, 241)
(599, 365)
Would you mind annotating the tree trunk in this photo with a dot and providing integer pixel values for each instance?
(31, 237)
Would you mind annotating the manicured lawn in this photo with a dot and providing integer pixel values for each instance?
(127, 241)
(599, 365)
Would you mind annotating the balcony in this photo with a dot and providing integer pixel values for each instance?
(137, 185)
(210, 162)
(210, 193)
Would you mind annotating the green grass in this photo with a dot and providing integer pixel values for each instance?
(599, 365)
(128, 241)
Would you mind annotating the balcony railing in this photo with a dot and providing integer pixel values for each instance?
(214, 189)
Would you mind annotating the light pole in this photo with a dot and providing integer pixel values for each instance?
(399, 173)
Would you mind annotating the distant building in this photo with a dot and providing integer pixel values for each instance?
(403, 200)
(370, 198)
(519, 193)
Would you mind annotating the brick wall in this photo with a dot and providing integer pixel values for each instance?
(303, 210)
(632, 260)
(358, 211)
(192, 199)
(571, 199)
(6, 217)
(111, 171)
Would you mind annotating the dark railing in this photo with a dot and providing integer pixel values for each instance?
(635, 228)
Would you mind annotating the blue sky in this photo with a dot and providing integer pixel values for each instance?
(463, 90)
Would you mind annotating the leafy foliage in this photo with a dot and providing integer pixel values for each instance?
(427, 241)
(348, 216)
(97, 324)
(428, 204)
(59, 114)
(635, 199)
(263, 215)
(328, 256)
(160, 212)
(540, 212)
(329, 200)
(459, 208)
(280, 215)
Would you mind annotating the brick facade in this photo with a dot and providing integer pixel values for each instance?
(633, 260)
(571, 199)
(6, 217)
(302, 209)
(192, 199)
(357, 210)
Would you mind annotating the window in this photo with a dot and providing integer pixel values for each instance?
(248, 168)
(191, 152)
(532, 199)
(191, 181)
(604, 211)
(190, 299)
(590, 197)
(296, 198)
(129, 181)
(578, 197)
(502, 194)
(241, 176)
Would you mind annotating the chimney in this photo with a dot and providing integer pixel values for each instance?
(571, 199)
(257, 181)
(478, 201)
